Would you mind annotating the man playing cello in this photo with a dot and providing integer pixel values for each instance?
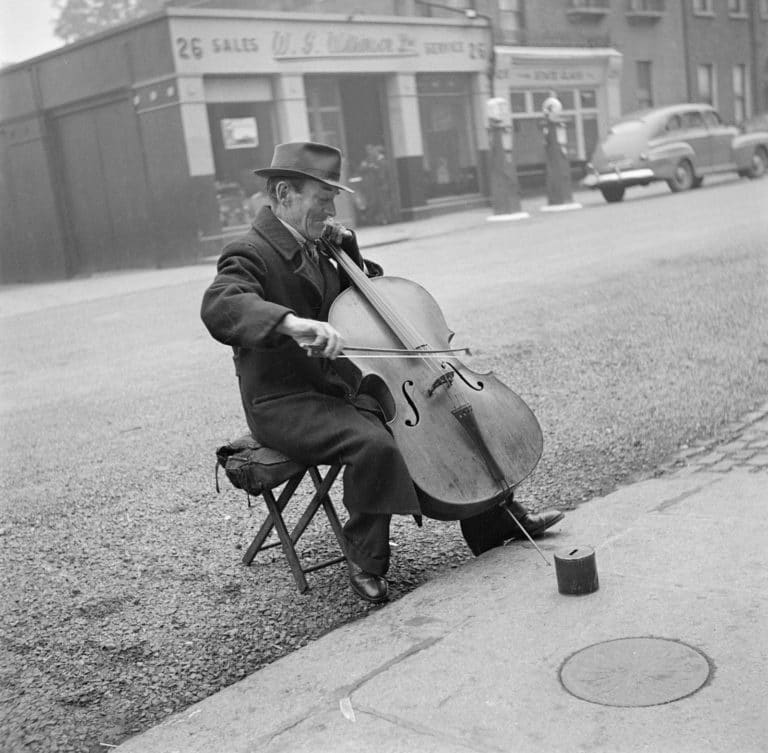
(270, 302)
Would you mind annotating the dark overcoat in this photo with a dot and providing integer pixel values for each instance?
(292, 401)
(262, 276)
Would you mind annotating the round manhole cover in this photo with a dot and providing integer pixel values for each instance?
(635, 672)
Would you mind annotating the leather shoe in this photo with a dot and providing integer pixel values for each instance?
(535, 523)
(495, 526)
(373, 588)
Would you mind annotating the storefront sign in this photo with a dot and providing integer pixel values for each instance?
(286, 44)
(527, 75)
(235, 44)
(228, 45)
(580, 68)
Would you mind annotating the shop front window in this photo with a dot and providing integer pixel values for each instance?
(450, 157)
(565, 96)
(579, 113)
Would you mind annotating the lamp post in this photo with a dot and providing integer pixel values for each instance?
(559, 191)
(505, 190)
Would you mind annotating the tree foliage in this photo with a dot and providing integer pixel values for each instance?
(81, 18)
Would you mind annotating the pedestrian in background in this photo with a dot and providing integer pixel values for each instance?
(374, 172)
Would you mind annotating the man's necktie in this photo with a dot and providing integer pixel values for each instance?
(310, 247)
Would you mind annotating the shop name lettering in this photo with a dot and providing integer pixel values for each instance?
(475, 50)
(244, 44)
(545, 76)
(558, 75)
(288, 45)
(285, 44)
(192, 47)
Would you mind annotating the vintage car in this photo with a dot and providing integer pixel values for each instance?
(755, 123)
(680, 144)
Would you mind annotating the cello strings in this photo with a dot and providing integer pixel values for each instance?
(407, 335)
(403, 330)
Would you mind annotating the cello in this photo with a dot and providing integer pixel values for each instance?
(466, 438)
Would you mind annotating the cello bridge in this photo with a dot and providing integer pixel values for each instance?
(446, 378)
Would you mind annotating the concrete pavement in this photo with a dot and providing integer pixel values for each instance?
(472, 660)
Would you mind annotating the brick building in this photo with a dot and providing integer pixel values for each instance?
(135, 147)
(726, 44)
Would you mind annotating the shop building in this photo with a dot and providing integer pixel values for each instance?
(648, 33)
(585, 80)
(602, 58)
(136, 147)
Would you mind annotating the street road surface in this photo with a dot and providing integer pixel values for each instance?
(630, 329)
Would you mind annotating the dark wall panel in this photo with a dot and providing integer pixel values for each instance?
(125, 185)
(16, 94)
(106, 192)
(32, 245)
(105, 65)
(184, 207)
(410, 171)
(86, 200)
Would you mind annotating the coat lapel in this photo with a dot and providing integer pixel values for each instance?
(276, 234)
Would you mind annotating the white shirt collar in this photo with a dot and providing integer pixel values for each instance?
(300, 239)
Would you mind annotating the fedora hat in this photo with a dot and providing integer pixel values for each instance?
(306, 159)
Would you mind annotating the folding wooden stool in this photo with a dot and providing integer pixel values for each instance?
(259, 470)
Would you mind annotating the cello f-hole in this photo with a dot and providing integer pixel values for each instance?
(478, 386)
(408, 384)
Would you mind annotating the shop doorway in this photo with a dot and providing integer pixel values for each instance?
(450, 152)
(350, 112)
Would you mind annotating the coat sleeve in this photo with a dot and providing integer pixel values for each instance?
(234, 308)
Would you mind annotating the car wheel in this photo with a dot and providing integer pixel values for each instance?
(683, 177)
(697, 182)
(612, 193)
(759, 164)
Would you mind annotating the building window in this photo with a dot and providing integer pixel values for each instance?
(644, 85)
(646, 6)
(740, 94)
(510, 19)
(737, 8)
(600, 5)
(703, 8)
(588, 11)
(705, 79)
